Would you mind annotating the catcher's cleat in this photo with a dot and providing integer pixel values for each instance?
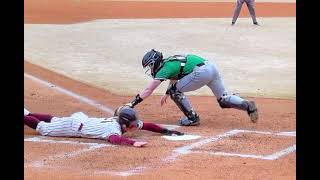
(190, 122)
(252, 111)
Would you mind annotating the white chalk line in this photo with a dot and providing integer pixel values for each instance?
(281, 153)
(72, 94)
(286, 134)
(177, 152)
(188, 149)
(232, 154)
(131, 172)
(40, 163)
(291, 133)
(92, 146)
(134, 171)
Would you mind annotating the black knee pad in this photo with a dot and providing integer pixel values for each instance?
(223, 102)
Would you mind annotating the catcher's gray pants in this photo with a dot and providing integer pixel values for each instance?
(205, 75)
(250, 5)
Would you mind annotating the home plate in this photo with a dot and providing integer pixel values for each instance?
(181, 138)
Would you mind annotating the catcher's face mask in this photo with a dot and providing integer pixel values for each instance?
(149, 70)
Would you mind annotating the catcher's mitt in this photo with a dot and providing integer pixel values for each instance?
(168, 132)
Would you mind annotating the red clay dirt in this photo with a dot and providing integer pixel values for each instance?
(73, 11)
(276, 115)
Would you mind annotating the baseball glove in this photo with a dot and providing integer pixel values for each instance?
(168, 132)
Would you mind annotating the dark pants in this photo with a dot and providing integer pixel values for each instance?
(250, 5)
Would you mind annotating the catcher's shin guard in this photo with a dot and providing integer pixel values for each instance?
(233, 101)
(184, 105)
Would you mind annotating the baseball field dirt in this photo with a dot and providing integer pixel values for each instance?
(230, 147)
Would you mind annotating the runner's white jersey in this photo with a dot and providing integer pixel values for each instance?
(80, 125)
(100, 128)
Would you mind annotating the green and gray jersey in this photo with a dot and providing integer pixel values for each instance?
(171, 67)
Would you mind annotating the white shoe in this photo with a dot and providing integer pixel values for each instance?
(26, 112)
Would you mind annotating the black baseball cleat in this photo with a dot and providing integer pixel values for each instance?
(232, 23)
(189, 122)
(253, 111)
(256, 23)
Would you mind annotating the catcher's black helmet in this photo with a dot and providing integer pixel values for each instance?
(127, 115)
(151, 61)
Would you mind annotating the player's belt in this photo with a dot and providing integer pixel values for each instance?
(201, 64)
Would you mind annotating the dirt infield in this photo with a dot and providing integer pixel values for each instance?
(73, 11)
(231, 147)
(44, 160)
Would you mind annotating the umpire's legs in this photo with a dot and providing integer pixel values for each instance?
(237, 10)
(250, 5)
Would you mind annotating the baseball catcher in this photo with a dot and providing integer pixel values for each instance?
(80, 125)
(188, 73)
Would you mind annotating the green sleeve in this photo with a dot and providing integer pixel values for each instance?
(163, 74)
(169, 70)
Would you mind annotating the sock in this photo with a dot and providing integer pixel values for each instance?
(31, 121)
(42, 117)
(152, 127)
